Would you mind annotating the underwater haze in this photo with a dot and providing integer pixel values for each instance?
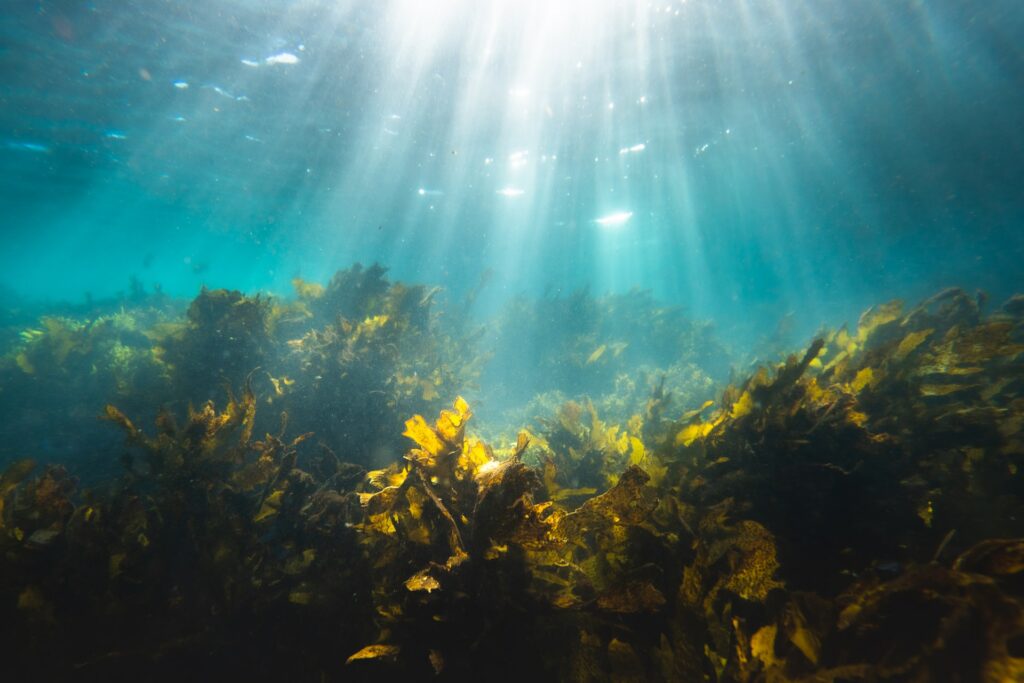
(743, 159)
(545, 340)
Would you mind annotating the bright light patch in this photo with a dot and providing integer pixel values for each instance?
(634, 149)
(281, 58)
(614, 220)
(510, 192)
(488, 466)
(517, 159)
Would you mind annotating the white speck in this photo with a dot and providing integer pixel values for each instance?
(252, 138)
(488, 161)
(181, 85)
(642, 100)
(178, 119)
(220, 91)
(250, 62)
(611, 105)
(389, 131)
(281, 58)
(510, 192)
(116, 135)
(613, 220)
(635, 148)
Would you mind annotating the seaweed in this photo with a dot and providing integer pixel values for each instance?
(611, 348)
(862, 474)
(62, 370)
(850, 513)
(209, 535)
(224, 337)
(355, 378)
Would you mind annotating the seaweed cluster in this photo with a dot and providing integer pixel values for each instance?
(349, 360)
(853, 513)
(61, 369)
(210, 545)
(846, 501)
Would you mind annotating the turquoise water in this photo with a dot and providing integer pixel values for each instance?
(772, 158)
(264, 261)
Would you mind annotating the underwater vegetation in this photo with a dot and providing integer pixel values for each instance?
(853, 513)
(349, 360)
(58, 369)
(612, 348)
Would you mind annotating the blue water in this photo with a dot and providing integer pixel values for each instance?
(603, 224)
(766, 158)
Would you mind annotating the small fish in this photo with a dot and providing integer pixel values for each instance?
(597, 353)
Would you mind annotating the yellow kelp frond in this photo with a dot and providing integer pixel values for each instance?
(742, 407)
(596, 354)
(876, 317)
(417, 429)
(375, 652)
(391, 476)
(451, 424)
(698, 430)
(307, 290)
(630, 501)
(441, 444)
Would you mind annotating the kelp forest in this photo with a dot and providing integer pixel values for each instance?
(360, 481)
